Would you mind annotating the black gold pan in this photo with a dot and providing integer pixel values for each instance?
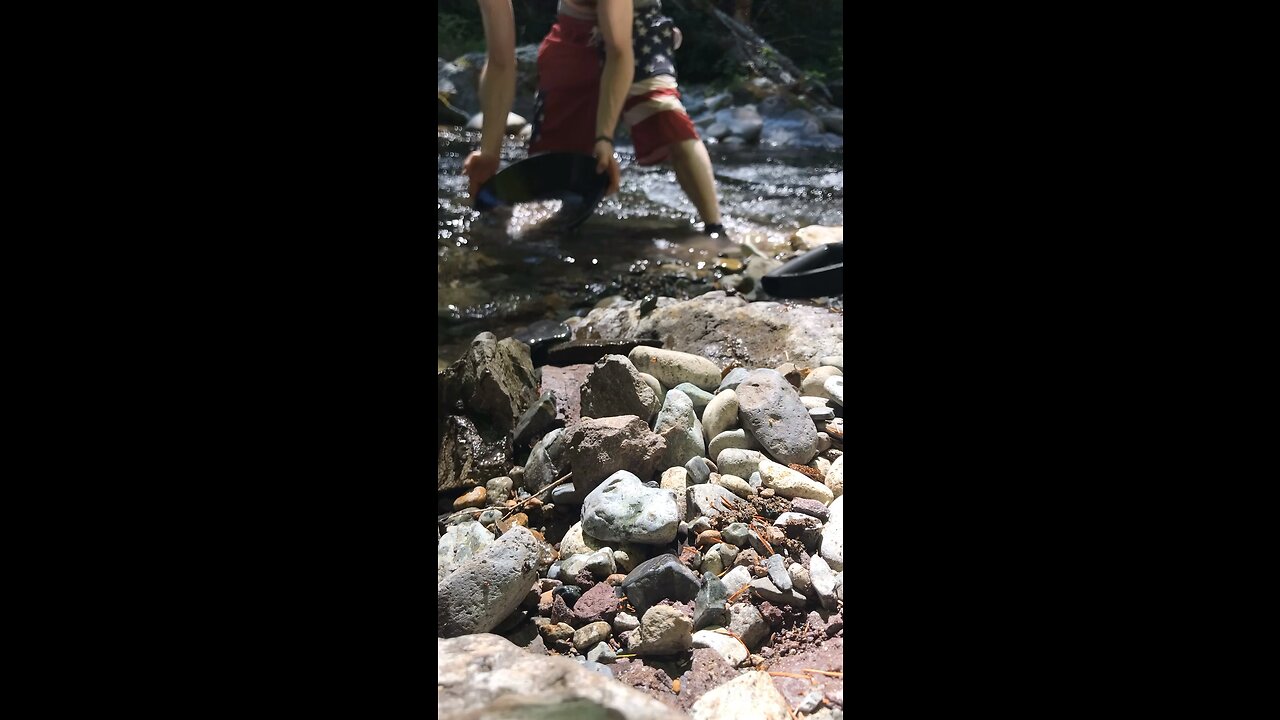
(817, 273)
(569, 177)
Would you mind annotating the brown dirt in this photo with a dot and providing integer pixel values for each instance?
(828, 656)
(649, 680)
(708, 672)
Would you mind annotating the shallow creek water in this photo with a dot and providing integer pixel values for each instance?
(499, 271)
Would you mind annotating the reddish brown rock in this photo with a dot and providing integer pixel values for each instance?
(560, 612)
(707, 538)
(566, 383)
(474, 498)
(600, 603)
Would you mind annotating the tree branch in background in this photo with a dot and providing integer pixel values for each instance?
(761, 58)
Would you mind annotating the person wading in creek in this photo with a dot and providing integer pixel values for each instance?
(609, 60)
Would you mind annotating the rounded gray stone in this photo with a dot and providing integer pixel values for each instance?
(778, 572)
(742, 463)
(699, 471)
(735, 534)
(487, 588)
(699, 396)
(770, 409)
(733, 379)
(499, 489)
(736, 439)
(659, 578)
(813, 383)
(677, 424)
(822, 414)
(710, 607)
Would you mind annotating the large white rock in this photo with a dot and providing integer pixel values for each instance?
(487, 588)
(672, 368)
(734, 652)
(487, 676)
(792, 484)
(835, 477)
(458, 544)
(750, 695)
(623, 509)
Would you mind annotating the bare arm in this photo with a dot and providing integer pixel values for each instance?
(614, 18)
(498, 78)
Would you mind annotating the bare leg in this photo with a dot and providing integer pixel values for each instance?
(692, 165)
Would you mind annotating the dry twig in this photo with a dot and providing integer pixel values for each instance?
(518, 505)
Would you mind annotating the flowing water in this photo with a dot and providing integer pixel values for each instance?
(499, 271)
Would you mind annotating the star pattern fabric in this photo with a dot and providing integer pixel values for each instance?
(653, 43)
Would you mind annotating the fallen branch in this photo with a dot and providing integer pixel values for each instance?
(517, 506)
(793, 675)
(823, 672)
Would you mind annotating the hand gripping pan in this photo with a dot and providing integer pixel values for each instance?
(569, 177)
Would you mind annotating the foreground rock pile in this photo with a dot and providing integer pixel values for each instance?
(676, 548)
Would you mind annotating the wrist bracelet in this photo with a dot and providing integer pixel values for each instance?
(605, 138)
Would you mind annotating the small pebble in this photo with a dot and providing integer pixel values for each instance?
(700, 525)
(778, 572)
(822, 414)
(767, 492)
(707, 537)
(735, 534)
